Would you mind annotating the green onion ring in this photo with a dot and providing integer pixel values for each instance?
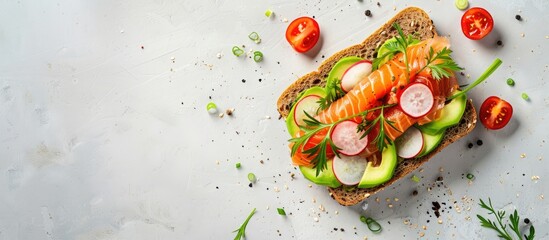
(251, 177)
(254, 37)
(237, 51)
(461, 4)
(374, 226)
(258, 56)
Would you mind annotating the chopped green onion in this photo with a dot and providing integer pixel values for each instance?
(251, 177)
(268, 13)
(525, 96)
(255, 37)
(510, 82)
(211, 107)
(237, 165)
(281, 211)
(374, 226)
(461, 4)
(495, 64)
(258, 56)
(237, 51)
(415, 179)
(470, 176)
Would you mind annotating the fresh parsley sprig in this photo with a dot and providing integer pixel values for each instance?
(499, 226)
(440, 63)
(400, 45)
(333, 92)
(382, 138)
(241, 231)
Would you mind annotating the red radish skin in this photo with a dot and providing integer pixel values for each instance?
(308, 104)
(416, 100)
(349, 169)
(410, 143)
(355, 73)
(345, 137)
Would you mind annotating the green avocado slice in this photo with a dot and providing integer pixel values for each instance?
(451, 115)
(290, 123)
(341, 66)
(430, 142)
(374, 176)
(326, 177)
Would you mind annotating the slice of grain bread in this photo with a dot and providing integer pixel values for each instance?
(412, 21)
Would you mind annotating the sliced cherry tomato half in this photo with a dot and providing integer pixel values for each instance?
(495, 113)
(476, 23)
(303, 34)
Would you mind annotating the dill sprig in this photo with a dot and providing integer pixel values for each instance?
(499, 226)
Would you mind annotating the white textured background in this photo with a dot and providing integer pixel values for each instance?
(101, 139)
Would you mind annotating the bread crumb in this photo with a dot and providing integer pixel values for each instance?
(366, 195)
(421, 234)
(316, 219)
(336, 212)
(390, 205)
(221, 115)
(377, 199)
(388, 200)
(314, 200)
(396, 199)
(267, 208)
(522, 35)
(439, 221)
(535, 178)
(541, 197)
(421, 170)
(219, 55)
(523, 155)
(424, 227)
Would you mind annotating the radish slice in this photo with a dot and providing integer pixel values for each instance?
(307, 104)
(416, 100)
(348, 139)
(355, 73)
(410, 143)
(349, 169)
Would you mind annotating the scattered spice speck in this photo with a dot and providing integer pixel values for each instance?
(368, 13)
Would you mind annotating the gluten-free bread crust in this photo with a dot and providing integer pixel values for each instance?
(414, 21)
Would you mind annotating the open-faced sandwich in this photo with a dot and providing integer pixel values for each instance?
(376, 111)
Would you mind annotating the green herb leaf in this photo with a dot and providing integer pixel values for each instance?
(237, 165)
(241, 231)
(281, 211)
(497, 62)
(333, 93)
(499, 226)
(440, 63)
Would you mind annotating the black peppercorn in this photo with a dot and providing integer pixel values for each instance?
(479, 142)
(526, 220)
(499, 42)
(368, 13)
(470, 145)
(414, 192)
(518, 17)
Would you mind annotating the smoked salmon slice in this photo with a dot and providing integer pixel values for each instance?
(379, 83)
